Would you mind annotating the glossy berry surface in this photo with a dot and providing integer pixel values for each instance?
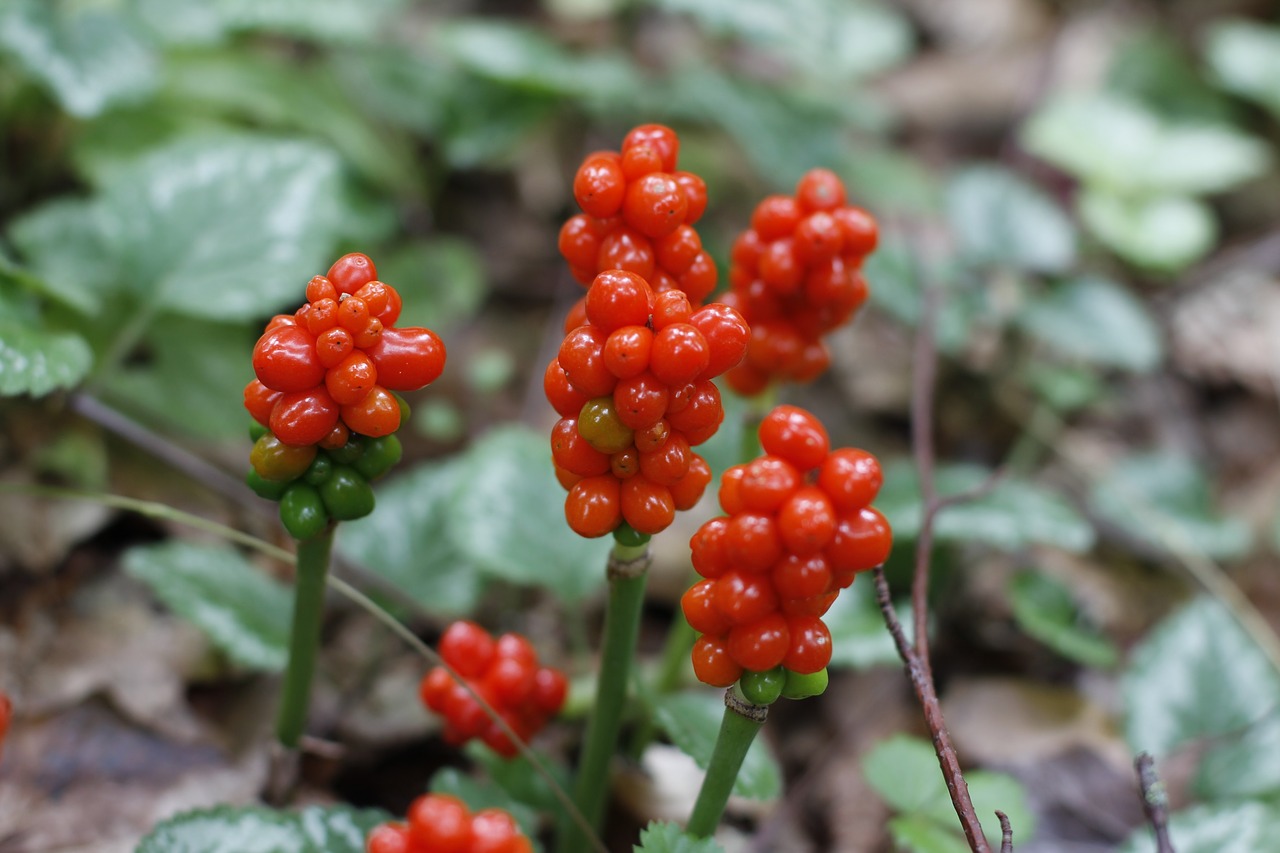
(441, 823)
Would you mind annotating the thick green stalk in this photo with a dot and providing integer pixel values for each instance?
(737, 730)
(304, 635)
(627, 575)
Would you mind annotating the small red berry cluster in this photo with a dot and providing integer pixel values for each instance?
(633, 387)
(322, 397)
(799, 526)
(440, 823)
(329, 368)
(795, 276)
(638, 213)
(505, 671)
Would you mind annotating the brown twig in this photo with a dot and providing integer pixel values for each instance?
(915, 655)
(1006, 832)
(1154, 800)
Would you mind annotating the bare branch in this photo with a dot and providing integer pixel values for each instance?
(1006, 832)
(1155, 802)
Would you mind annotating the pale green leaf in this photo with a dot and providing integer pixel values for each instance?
(1238, 766)
(1043, 608)
(63, 244)
(1245, 58)
(507, 517)
(692, 720)
(321, 20)
(37, 361)
(998, 218)
(915, 833)
(662, 837)
(1097, 322)
(240, 609)
(1247, 827)
(1163, 498)
(227, 829)
(1197, 675)
(1165, 233)
(859, 638)
(91, 58)
(407, 541)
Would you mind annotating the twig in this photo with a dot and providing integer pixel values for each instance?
(1006, 832)
(1155, 802)
(915, 655)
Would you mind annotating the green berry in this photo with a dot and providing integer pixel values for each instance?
(380, 455)
(302, 512)
(763, 688)
(347, 494)
(628, 537)
(272, 490)
(799, 686)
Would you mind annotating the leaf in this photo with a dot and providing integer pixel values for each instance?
(1044, 609)
(835, 41)
(224, 228)
(65, 248)
(89, 58)
(1155, 69)
(1247, 827)
(691, 719)
(918, 834)
(507, 517)
(37, 361)
(226, 829)
(193, 368)
(1196, 675)
(859, 638)
(242, 611)
(521, 782)
(1115, 144)
(1013, 515)
(662, 837)
(1239, 767)
(999, 218)
(1244, 56)
(407, 541)
(320, 20)
(904, 771)
(1163, 499)
(1097, 322)
(478, 795)
(1164, 233)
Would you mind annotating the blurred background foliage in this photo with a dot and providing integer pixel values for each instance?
(1092, 186)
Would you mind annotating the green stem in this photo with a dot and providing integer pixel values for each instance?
(737, 730)
(621, 628)
(304, 636)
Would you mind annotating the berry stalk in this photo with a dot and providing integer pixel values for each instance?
(628, 565)
(304, 635)
(742, 719)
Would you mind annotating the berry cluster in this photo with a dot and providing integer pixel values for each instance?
(440, 823)
(505, 671)
(799, 526)
(633, 387)
(323, 395)
(638, 216)
(795, 276)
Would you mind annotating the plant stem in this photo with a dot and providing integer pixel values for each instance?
(628, 567)
(304, 635)
(675, 654)
(737, 730)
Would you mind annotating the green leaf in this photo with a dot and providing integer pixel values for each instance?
(320, 20)
(1163, 233)
(691, 719)
(90, 58)
(1238, 767)
(242, 611)
(522, 783)
(480, 795)
(507, 517)
(998, 218)
(1116, 144)
(1198, 674)
(1014, 514)
(441, 281)
(1044, 608)
(662, 837)
(407, 540)
(1245, 58)
(919, 834)
(904, 771)
(1163, 499)
(64, 245)
(37, 361)
(832, 40)
(1248, 827)
(227, 829)
(1153, 68)
(859, 638)
(225, 228)
(1095, 321)
(193, 374)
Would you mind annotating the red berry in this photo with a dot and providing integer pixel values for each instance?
(743, 597)
(407, 359)
(797, 577)
(579, 242)
(807, 521)
(571, 451)
(626, 351)
(594, 506)
(285, 359)
(377, 414)
(647, 506)
(582, 358)
(304, 417)
(599, 186)
(820, 189)
(564, 398)
(712, 664)
(688, 490)
(695, 193)
(753, 541)
(809, 647)
(709, 555)
(727, 335)
(862, 541)
(550, 689)
(767, 482)
(679, 355)
(440, 823)
(468, 648)
(626, 249)
(698, 605)
(389, 838)
(676, 251)
(618, 298)
(660, 138)
(795, 435)
(775, 217)
(655, 205)
(760, 645)
(670, 307)
(351, 380)
(351, 272)
(259, 400)
(851, 478)
(640, 401)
